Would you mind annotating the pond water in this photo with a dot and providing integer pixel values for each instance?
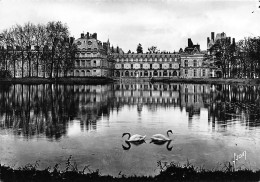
(211, 125)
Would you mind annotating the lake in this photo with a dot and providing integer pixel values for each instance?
(48, 123)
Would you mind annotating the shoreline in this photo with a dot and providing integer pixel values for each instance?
(105, 80)
(64, 80)
(208, 80)
(168, 172)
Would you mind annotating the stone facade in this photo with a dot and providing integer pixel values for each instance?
(146, 65)
(91, 57)
(183, 65)
(193, 66)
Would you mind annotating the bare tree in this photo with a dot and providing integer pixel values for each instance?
(153, 49)
(56, 33)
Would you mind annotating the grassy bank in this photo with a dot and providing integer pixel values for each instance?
(168, 172)
(208, 80)
(67, 80)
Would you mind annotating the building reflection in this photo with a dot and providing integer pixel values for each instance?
(147, 94)
(46, 110)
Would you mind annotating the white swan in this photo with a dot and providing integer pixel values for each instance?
(160, 137)
(134, 138)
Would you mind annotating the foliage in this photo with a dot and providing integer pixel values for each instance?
(37, 46)
(5, 74)
(153, 49)
(240, 60)
(168, 172)
(139, 49)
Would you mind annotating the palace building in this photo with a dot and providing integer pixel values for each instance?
(191, 63)
(96, 59)
(91, 57)
(146, 65)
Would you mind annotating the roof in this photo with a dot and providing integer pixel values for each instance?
(146, 55)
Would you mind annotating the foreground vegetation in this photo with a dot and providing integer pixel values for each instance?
(168, 172)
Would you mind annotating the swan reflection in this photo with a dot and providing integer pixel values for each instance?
(136, 143)
(162, 142)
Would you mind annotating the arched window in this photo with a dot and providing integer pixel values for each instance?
(127, 73)
(174, 73)
(82, 73)
(88, 73)
(77, 62)
(82, 63)
(77, 73)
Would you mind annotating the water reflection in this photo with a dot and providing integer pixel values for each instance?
(34, 110)
(51, 122)
(128, 144)
(161, 142)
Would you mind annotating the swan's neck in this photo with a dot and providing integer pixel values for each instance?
(129, 135)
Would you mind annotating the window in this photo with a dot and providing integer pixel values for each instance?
(195, 73)
(151, 66)
(160, 66)
(89, 42)
(131, 66)
(83, 63)
(77, 63)
(141, 66)
(195, 63)
(186, 63)
(186, 72)
(203, 72)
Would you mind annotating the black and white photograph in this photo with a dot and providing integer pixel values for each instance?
(129, 90)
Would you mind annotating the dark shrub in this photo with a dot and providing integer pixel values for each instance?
(5, 73)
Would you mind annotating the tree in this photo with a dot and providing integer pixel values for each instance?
(129, 52)
(112, 50)
(224, 52)
(40, 36)
(153, 49)
(57, 32)
(139, 49)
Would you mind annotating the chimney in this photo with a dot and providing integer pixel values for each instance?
(87, 35)
(208, 40)
(190, 44)
(212, 36)
(234, 41)
(229, 40)
(94, 36)
(82, 35)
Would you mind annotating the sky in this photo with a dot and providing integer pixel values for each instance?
(166, 24)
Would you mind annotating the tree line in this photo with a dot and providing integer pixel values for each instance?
(36, 49)
(236, 60)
